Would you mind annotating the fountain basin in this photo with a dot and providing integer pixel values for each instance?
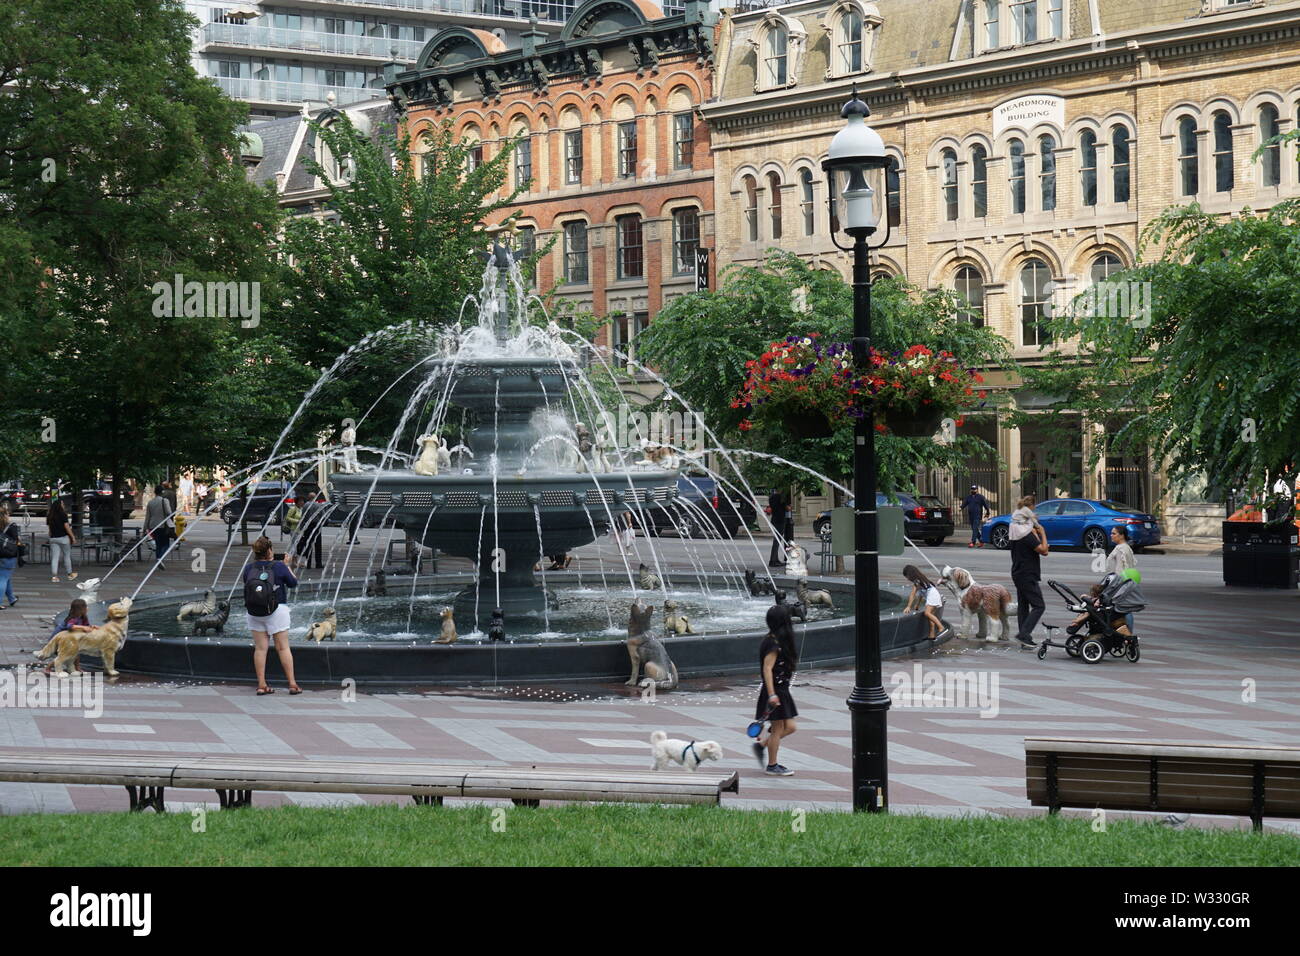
(825, 643)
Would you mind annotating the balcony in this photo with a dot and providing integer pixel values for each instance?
(546, 11)
(307, 44)
(278, 92)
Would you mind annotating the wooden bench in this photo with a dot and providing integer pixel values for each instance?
(147, 777)
(1163, 776)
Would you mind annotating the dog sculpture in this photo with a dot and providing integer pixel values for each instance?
(982, 605)
(326, 629)
(648, 580)
(796, 562)
(757, 586)
(449, 635)
(647, 652)
(810, 598)
(89, 590)
(688, 753)
(676, 623)
(379, 588)
(797, 608)
(199, 608)
(106, 640)
(433, 452)
(216, 621)
(497, 629)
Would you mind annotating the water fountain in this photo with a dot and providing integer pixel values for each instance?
(529, 482)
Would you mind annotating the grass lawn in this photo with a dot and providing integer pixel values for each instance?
(611, 835)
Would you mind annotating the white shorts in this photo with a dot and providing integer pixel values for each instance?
(274, 623)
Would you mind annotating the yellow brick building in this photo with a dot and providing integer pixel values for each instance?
(1033, 141)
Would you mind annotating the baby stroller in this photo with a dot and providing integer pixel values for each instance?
(1119, 596)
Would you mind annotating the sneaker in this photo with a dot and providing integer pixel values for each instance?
(758, 754)
(1027, 641)
(776, 770)
(55, 579)
(72, 576)
(942, 634)
(971, 544)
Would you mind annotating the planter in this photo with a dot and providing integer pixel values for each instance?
(803, 423)
(913, 423)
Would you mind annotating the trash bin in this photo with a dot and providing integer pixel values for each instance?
(1260, 556)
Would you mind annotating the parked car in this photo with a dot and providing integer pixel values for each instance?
(97, 500)
(268, 503)
(701, 510)
(1081, 523)
(13, 495)
(925, 517)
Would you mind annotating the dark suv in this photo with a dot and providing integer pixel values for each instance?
(701, 510)
(98, 500)
(925, 518)
(269, 500)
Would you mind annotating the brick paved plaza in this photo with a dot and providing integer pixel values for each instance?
(1201, 641)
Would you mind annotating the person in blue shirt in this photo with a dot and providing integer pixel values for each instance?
(274, 626)
(976, 507)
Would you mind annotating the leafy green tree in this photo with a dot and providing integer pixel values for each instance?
(1207, 380)
(701, 342)
(119, 170)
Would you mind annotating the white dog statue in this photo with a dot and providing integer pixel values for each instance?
(433, 452)
(796, 562)
(983, 606)
(348, 439)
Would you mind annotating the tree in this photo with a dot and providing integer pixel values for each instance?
(1201, 362)
(703, 340)
(119, 170)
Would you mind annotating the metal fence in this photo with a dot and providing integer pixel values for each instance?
(951, 487)
(1128, 485)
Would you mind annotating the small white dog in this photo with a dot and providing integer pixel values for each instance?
(688, 753)
(982, 605)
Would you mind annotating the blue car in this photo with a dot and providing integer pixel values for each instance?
(1080, 523)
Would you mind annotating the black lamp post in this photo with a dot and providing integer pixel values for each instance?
(856, 150)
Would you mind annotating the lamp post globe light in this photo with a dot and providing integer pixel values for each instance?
(856, 151)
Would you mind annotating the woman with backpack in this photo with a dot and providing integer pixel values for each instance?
(265, 597)
(61, 541)
(11, 547)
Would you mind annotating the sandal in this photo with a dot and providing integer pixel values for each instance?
(263, 691)
(295, 691)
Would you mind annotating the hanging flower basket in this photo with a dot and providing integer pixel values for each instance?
(922, 422)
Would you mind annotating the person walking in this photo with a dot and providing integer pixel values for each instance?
(976, 507)
(159, 522)
(61, 540)
(1026, 550)
(778, 506)
(11, 548)
(1121, 559)
(777, 660)
(186, 496)
(266, 581)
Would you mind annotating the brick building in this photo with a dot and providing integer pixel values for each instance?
(1033, 141)
(615, 157)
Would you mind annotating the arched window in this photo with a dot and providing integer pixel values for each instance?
(631, 261)
(970, 286)
(1189, 159)
(423, 158)
(893, 194)
(949, 158)
(751, 207)
(775, 60)
(807, 206)
(1088, 167)
(1047, 171)
(523, 161)
(1016, 176)
(774, 203)
(1271, 161)
(1222, 152)
(1035, 293)
(979, 181)
(849, 41)
(1119, 163)
(1105, 266)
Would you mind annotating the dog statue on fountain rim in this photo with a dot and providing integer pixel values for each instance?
(758, 586)
(449, 634)
(106, 639)
(808, 598)
(647, 579)
(674, 621)
(434, 456)
(983, 606)
(326, 629)
(199, 608)
(797, 608)
(216, 621)
(379, 588)
(647, 652)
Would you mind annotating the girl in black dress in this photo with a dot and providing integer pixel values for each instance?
(777, 660)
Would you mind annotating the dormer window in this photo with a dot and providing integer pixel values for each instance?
(851, 27)
(850, 41)
(775, 62)
(1002, 23)
(778, 43)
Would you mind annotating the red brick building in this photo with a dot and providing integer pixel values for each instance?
(613, 148)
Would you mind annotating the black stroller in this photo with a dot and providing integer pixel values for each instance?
(1119, 596)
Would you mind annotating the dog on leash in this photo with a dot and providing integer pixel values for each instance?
(686, 753)
(449, 634)
(808, 598)
(325, 629)
(106, 640)
(757, 586)
(676, 623)
(981, 604)
(647, 652)
(199, 608)
(216, 621)
(648, 580)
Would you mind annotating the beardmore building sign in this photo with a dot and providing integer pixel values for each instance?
(612, 153)
(1031, 143)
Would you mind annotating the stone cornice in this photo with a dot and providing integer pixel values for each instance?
(1037, 62)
